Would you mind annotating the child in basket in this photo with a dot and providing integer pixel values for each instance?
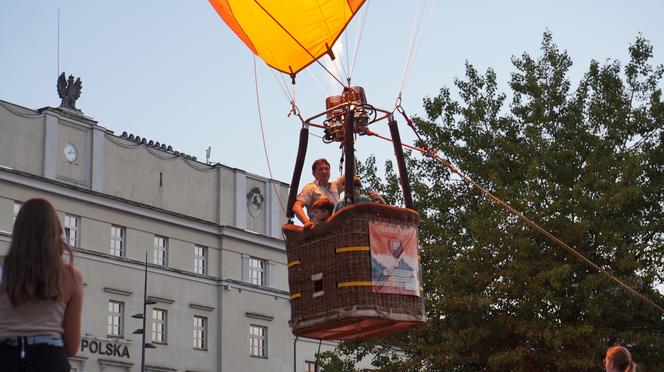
(321, 210)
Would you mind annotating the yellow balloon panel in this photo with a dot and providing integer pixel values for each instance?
(288, 34)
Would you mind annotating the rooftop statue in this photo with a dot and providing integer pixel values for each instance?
(69, 90)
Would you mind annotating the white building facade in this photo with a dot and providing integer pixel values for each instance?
(217, 270)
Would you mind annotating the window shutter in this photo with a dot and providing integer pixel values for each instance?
(271, 266)
(245, 268)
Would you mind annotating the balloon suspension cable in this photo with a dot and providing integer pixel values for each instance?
(317, 81)
(298, 43)
(336, 68)
(290, 96)
(341, 63)
(414, 32)
(426, 150)
(296, 112)
(358, 39)
(260, 120)
(347, 58)
(397, 105)
(284, 87)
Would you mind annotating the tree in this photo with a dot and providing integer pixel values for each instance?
(588, 165)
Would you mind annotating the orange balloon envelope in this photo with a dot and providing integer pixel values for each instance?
(288, 34)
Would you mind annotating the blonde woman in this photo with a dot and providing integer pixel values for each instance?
(41, 295)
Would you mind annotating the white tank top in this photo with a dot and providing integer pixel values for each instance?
(31, 318)
(38, 317)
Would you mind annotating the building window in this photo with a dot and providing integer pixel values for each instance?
(159, 319)
(200, 332)
(17, 208)
(257, 271)
(118, 241)
(160, 250)
(115, 317)
(258, 341)
(310, 366)
(72, 233)
(200, 259)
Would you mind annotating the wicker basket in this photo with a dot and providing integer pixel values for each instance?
(328, 268)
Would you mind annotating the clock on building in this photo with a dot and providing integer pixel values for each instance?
(71, 152)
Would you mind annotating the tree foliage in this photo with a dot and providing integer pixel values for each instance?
(586, 163)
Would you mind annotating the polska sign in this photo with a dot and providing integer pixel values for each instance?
(105, 348)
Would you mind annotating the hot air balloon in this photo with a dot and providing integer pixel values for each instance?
(288, 35)
(356, 275)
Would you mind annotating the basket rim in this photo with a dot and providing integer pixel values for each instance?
(362, 208)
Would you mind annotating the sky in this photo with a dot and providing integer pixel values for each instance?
(172, 71)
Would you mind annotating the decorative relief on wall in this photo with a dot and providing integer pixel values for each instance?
(255, 201)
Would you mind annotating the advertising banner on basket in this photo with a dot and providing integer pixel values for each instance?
(394, 266)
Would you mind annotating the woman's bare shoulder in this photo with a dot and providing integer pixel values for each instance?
(72, 278)
(78, 277)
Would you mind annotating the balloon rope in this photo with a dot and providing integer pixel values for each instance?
(283, 88)
(289, 95)
(346, 53)
(447, 163)
(417, 22)
(260, 120)
(270, 51)
(317, 81)
(298, 43)
(358, 38)
(546, 233)
(335, 66)
(329, 35)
